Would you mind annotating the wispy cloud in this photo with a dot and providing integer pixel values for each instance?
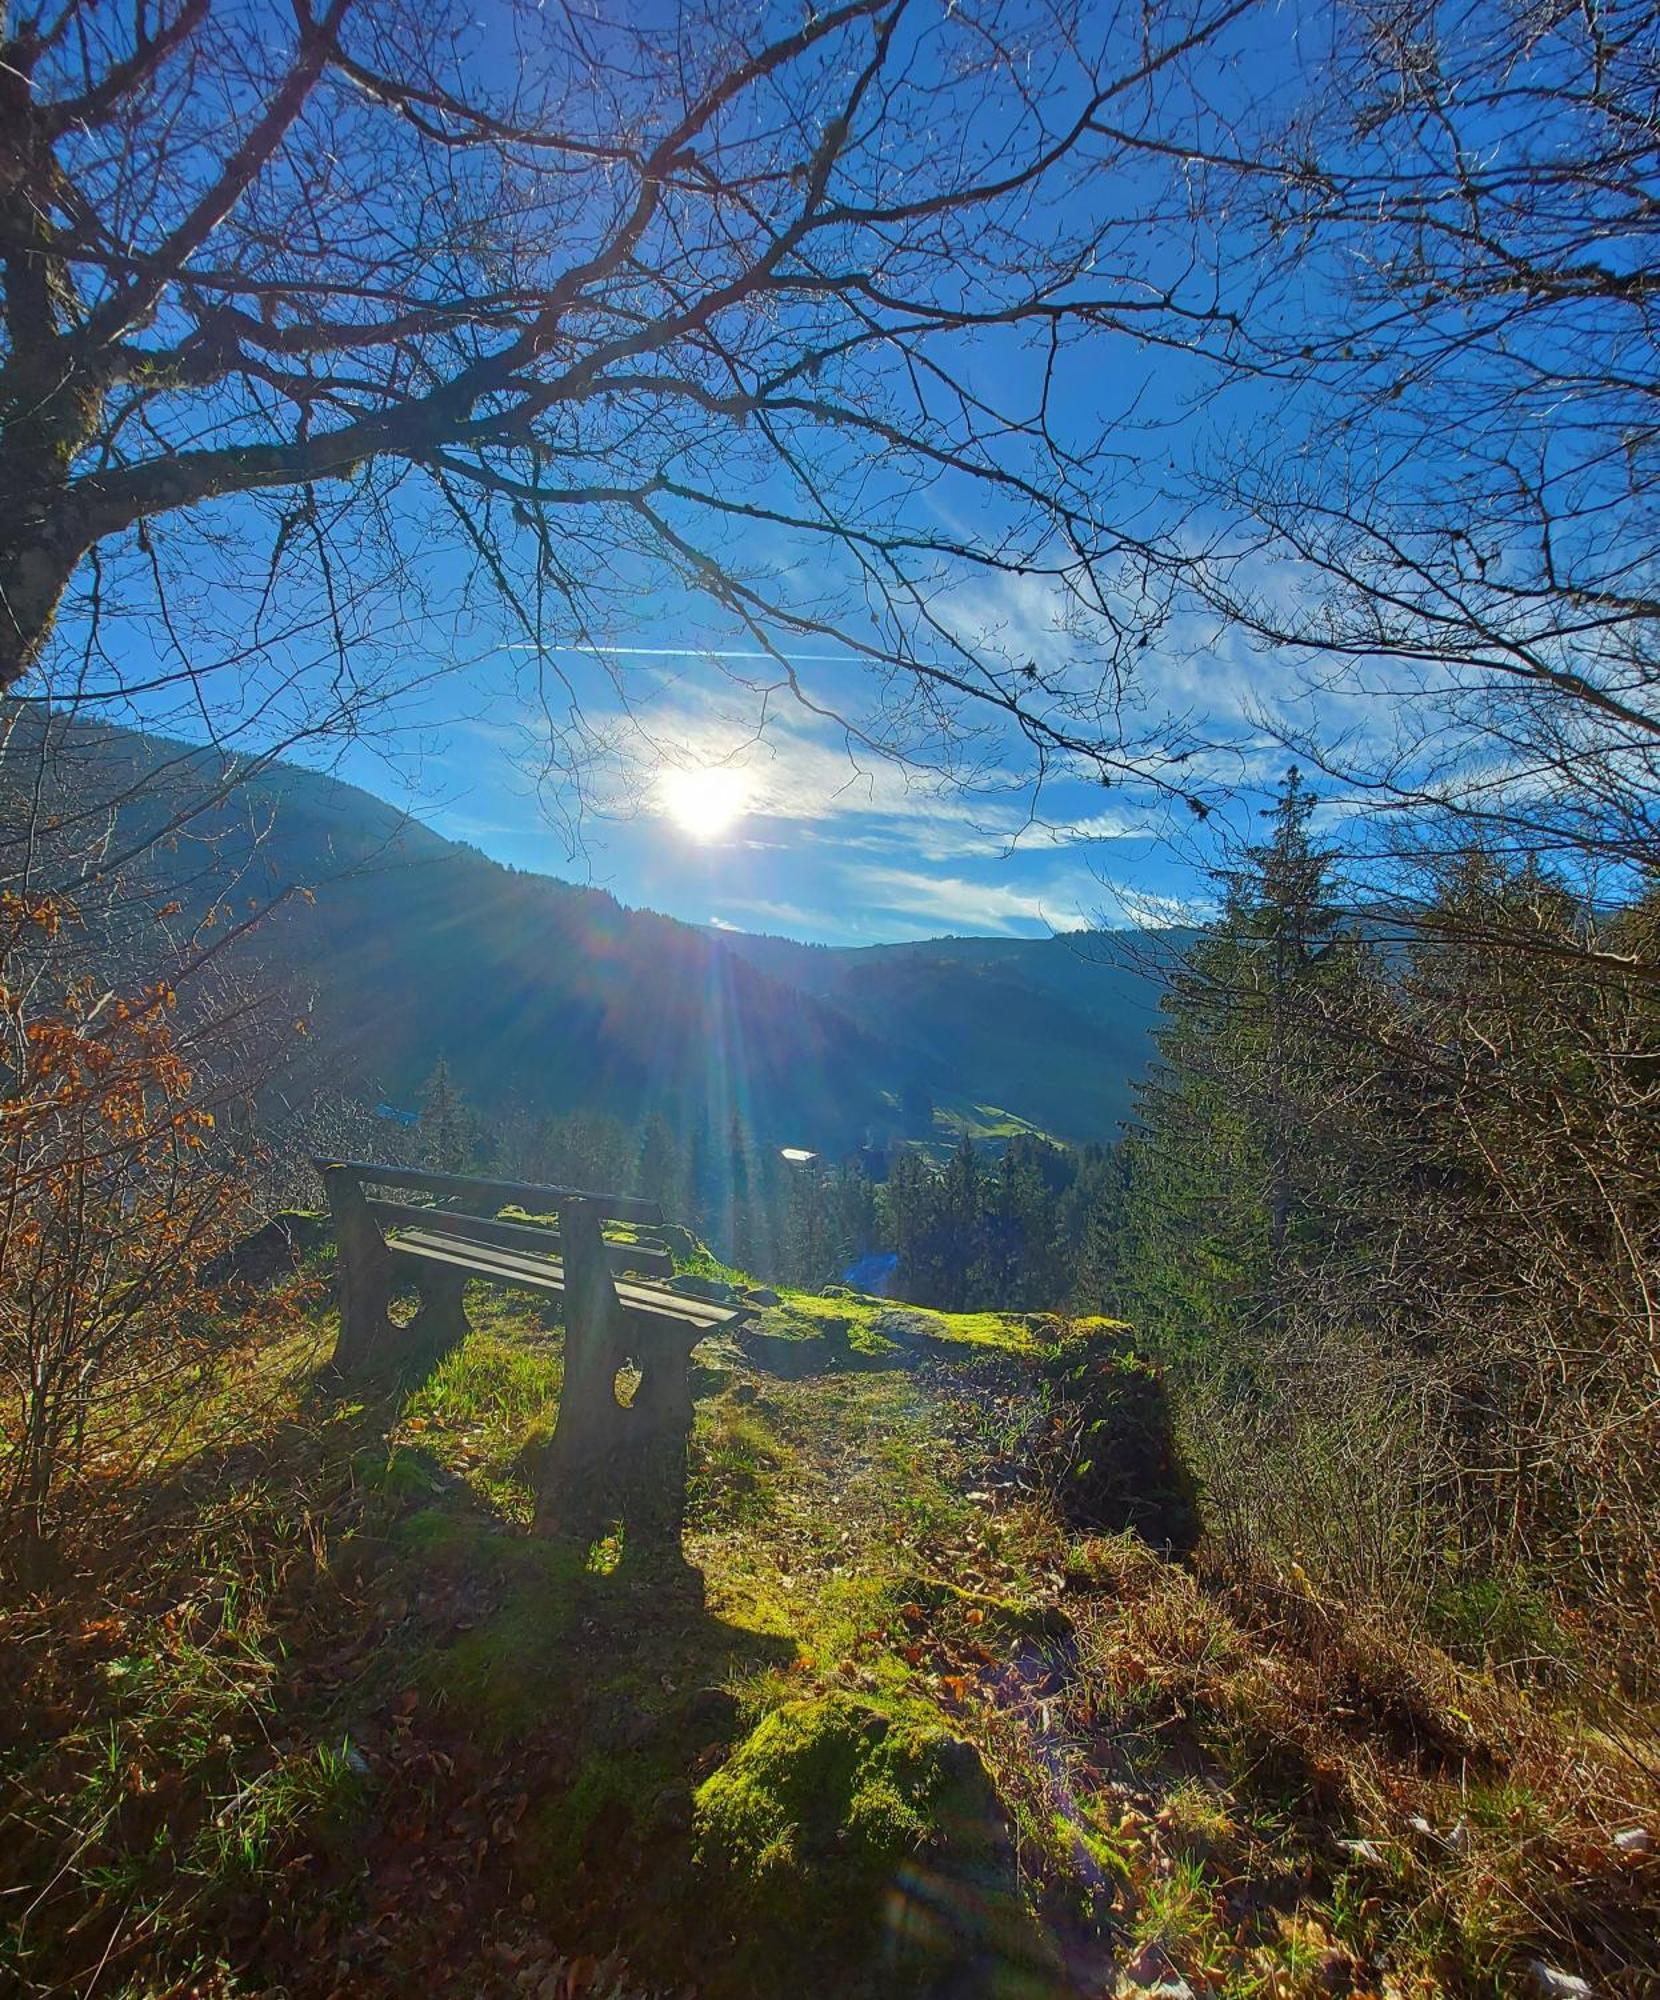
(791, 915)
(973, 906)
(836, 841)
(1123, 905)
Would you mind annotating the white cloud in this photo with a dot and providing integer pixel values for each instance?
(780, 913)
(464, 826)
(976, 906)
(1145, 910)
(1078, 832)
(808, 783)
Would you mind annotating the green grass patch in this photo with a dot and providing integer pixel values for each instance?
(317, 1796)
(736, 1465)
(489, 1402)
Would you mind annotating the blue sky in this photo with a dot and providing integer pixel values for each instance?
(861, 806)
(951, 831)
(828, 842)
(866, 814)
(831, 845)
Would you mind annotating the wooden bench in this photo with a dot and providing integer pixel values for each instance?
(605, 1458)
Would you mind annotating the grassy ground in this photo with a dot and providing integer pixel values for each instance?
(340, 1724)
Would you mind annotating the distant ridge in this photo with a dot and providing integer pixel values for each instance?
(557, 997)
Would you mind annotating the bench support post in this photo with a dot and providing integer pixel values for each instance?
(605, 1461)
(365, 1276)
(441, 1323)
(654, 1467)
(573, 1493)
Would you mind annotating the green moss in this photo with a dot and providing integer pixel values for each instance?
(435, 1534)
(1011, 1333)
(399, 1475)
(886, 1328)
(849, 1843)
(836, 1314)
(613, 1792)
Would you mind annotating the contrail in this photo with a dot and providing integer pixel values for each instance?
(694, 653)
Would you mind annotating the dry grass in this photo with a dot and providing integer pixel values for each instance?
(334, 1628)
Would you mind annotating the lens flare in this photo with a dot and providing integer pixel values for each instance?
(706, 801)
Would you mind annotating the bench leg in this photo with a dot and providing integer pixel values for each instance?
(364, 1278)
(605, 1462)
(574, 1499)
(441, 1320)
(659, 1439)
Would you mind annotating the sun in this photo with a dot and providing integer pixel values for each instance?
(704, 801)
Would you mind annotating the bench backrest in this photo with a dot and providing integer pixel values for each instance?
(538, 1238)
(468, 1191)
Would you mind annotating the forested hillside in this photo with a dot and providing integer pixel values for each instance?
(1055, 1029)
(408, 949)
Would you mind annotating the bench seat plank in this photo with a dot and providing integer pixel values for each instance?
(537, 1240)
(547, 1274)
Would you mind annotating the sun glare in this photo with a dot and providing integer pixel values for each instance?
(704, 802)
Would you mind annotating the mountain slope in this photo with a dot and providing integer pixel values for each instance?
(408, 947)
(1054, 1029)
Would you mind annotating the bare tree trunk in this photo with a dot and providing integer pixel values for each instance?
(37, 560)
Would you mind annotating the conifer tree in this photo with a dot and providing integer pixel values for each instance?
(740, 1236)
(444, 1126)
(704, 1177)
(806, 1250)
(854, 1228)
(1098, 1232)
(1224, 1194)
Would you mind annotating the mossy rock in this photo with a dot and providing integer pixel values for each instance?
(274, 1251)
(696, 1286)
(678, 1240)
(852, 1850)
(912, 1323)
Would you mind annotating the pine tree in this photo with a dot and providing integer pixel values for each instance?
(806, 1250)
(1224, 1199)
(444, 1127)
(704, 1178)
(855, 1231)
(739, 1231)
(1097, 1235)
